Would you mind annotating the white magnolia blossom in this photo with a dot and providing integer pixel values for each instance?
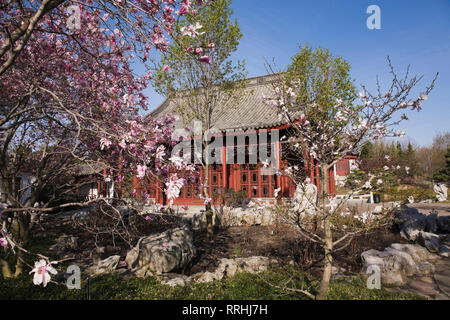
(345, 213)
(105, 143)
(173, 187)
(423, 96)
(367, 185)
(191, 30)
(178, 162)
(276, 191)
(400, 134)
(363, 95)
(42, 272)
(160, 152)
(266, 163)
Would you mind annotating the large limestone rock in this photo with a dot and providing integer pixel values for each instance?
(248, 216)
(163, 253)
(441, 191)
(399, 261)
(305, 198)
(418, 253)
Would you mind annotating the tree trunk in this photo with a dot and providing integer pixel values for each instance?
(328, 249)
(328, 236)
(209, 212)
(6, 270)
(20, 228)
(19, 263)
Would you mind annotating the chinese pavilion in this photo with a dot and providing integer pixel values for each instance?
(248, 119)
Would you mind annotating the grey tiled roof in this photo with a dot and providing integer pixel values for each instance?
(249, 113)
(86, 169)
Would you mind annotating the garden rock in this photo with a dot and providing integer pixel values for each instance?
(206, 277)
(443, 223)
(107, 265)
(64, 244)
(444, 251)
(163, 253)
(230, 267)
(441, 191)
(176, 280)
(399, 261)
(431, 221)
(232, 217)
(418, 253)
(410, 229)
(430, 241)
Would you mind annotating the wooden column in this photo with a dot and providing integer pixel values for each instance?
(318, 177)
(278, 159)
(332, 184)
(224, 164)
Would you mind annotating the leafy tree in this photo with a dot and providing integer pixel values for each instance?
(204, 89)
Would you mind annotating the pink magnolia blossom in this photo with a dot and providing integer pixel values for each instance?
(3, 242)
(205, 59)
(141, 169)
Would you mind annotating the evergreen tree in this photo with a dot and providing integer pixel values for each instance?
(444, 174)
(399, 151)
(366, 150)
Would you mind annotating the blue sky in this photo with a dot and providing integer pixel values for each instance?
(412, 32)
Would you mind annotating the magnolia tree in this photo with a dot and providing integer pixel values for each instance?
(199, 77)
(329, 120)
(69, 97)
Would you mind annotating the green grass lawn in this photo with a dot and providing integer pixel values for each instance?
(243, 286)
